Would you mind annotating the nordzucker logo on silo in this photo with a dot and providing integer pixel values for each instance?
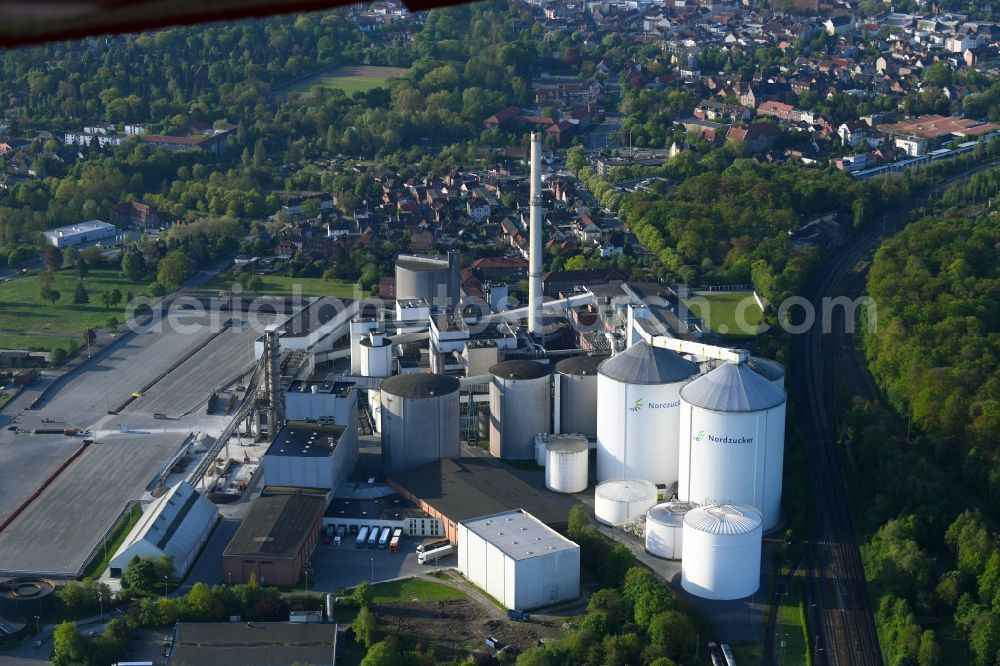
(722, 440)
(641, 404)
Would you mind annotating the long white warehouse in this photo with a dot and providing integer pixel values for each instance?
(518, 561)
(176, 524)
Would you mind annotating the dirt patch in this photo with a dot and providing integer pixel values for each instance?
(457, 627)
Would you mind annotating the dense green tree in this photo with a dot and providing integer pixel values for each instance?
(174, 269)
(132, 266)
(365, 627)
(80, 295)
(68, 644)
(139, 576)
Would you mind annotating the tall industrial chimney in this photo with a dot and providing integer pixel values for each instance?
(535, 240)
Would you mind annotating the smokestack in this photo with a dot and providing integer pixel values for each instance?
(535, 239)
(454, 277)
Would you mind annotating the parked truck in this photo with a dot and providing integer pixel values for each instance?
(383, 540)
(435, 554)
(362, 537)
(397, 534)
(430, 544)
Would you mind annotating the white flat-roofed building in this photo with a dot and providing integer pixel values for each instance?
(176, 524)
(518, 560)
(83, 233)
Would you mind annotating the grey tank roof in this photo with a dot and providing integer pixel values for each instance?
(519, 369)
(766, 368)
(643, 364)
(420, 385)
(733, 388)
(580, 365)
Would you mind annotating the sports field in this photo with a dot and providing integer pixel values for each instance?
(349, 78)
(734, 314)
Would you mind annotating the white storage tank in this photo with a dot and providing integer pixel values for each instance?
(376, 355)
(732, 434)
(420, 421)
(360, 327)
(567, 464)
(722, 544)
(520, 408)
(665, 529)
(637, 413)
(770, 370)
(577, 377)
(543, 439)
(619, 501)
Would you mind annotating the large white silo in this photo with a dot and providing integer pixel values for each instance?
(665, 529)
(567, 464)
(732, 440)
(722, 545)
(520, 407)
(577, 377)
(638, 406)
(621, 500)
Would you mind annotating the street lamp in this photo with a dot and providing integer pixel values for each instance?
(38, 626)
(164, 586)
(373, 570)
(230, 577)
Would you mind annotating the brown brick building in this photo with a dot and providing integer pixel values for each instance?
(275, 540)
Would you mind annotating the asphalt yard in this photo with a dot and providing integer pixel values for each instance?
(57, 532)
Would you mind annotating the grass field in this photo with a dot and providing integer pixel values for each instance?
(22, 311)
(733, 314)
(414, 588)
(350, 79)
(282, 284)
(789, 628)
(37, 342)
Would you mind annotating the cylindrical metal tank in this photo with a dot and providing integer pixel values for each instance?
(567, 464)
(543, 440)
(732, 434)
(637, 413)
(421, 277)
(722, 546)
(665, 529)
(770, 370)
(420, 421)
(577, 377)
(376, 355)
(359, 330)
(520, 407)
(619, 501)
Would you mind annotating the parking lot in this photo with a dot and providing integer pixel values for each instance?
(337, 567)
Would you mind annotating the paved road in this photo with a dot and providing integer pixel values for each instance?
(837, 593)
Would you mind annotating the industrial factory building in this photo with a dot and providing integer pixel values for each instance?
(176, 524)
(518, 561)
(457, 490)
(326, 399)
(390, 511)
(310, 455)
(275, 540)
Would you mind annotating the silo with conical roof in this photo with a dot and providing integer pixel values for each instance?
(638, 407)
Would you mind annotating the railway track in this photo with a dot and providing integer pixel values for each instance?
(840, 613)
